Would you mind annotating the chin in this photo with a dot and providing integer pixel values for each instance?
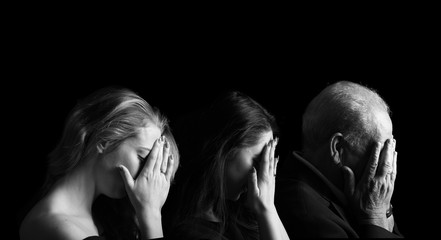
(120, 196)
(235, 197)
(118, 193)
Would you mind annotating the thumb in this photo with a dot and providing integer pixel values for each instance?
(349, 181)
(253, 189)
(126, 177)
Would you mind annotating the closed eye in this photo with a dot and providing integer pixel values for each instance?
(256, 160)
(142, 153)
(141, 158)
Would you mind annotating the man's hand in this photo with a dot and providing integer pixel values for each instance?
(370, 199)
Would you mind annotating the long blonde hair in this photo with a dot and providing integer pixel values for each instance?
(109, 115)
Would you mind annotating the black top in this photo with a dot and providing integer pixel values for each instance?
(198, 229)
(103, 238)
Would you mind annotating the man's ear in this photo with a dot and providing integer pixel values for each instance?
(101, 146)
(336, 148)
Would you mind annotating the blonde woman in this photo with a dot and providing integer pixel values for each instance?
(114, 146)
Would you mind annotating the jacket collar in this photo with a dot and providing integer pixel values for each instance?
(328, 185)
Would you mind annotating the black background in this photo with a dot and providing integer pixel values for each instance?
(179, 69)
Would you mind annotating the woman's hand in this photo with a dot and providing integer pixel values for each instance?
(149, 190)
(261, 185)
(261, 189)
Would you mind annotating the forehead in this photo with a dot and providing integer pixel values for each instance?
(147, 135)
(384, 125)
(263, 139)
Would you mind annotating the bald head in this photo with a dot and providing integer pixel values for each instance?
(347, 108)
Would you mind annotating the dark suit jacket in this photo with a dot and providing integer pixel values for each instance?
(310, 206)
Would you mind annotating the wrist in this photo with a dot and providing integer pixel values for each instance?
(389, 212)
(266, 211)
(149, 214)
(150, 224)
(382, 222)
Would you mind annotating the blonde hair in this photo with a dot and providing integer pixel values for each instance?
(109, 115)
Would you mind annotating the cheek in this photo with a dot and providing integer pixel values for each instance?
(110, 181)
(122, 158)
(357, 164)
(133, 166)
(359, 169)
(238, 170)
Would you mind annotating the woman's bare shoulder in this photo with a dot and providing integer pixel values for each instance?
(49, 225)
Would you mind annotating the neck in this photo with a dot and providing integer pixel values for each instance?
(336, 178)
(75, 192)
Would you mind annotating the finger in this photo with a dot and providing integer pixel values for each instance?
(349, 181)
(371, 167)
(253, 188)
(126, 177)
(151, 159)
(391, 157)
(386, 158)
(264, 163)
(170, 167)
(159, 158)
(276, 159)
(165, 156)
(271, 158)
(394, 165)
(394, 171)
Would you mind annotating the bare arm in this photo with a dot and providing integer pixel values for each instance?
(261, 189)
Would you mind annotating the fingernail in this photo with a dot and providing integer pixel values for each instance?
(166, 143)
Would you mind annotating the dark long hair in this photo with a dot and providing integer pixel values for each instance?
(232, 122)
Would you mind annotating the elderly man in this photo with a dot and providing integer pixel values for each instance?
(341, 184)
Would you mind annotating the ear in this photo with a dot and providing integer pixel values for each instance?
(336, 148)
(101, 146)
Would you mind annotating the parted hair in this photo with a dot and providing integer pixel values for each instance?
(232, 122)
